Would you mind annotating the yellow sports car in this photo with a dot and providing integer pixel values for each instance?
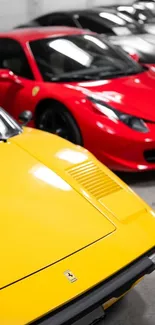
(73, 235)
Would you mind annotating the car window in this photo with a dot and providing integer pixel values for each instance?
(131, 23)
(144, 14)
(134, 14)
(12, 57)
(137, 13)
(93, 25)
(56, 20)
(79, 56)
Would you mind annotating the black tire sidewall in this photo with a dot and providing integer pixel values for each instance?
(68, 116)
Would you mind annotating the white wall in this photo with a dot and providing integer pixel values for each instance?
(14, 12)
(34, 8)
(52, 5)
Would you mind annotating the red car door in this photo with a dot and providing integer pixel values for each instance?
(16, 78)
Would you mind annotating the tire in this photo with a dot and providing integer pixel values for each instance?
(56, 119)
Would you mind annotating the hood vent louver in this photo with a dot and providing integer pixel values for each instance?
(94, 180)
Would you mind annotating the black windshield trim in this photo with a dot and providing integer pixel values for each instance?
(7, 119)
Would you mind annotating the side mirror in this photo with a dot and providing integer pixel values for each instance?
(8, 75)
(132, 53)
(25, 117)
(135, 57)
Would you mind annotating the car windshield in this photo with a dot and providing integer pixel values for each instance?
(8, 126)
(138, 12)
(80, 57)
(147, 4)
(119, 22)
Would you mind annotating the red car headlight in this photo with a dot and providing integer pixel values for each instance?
(131, 121)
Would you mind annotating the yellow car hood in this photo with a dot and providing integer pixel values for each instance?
(57, 199)
(84, 173)
(43, 219)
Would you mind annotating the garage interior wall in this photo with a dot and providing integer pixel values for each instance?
(17, 12)
(12, 12)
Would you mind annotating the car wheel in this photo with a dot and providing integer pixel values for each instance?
(57, 120)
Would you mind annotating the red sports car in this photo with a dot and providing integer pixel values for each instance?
(83, 89)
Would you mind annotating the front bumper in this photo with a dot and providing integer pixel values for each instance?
(114, 287)
(124, 154)
(119, 147)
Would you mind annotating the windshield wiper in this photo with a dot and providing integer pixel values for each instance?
(133, 71)
(93, 74)
(120, 73)
(84, 74)
(98, 76)
(75, 77)
(111, 74)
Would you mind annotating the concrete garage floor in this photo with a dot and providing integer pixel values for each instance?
(138, 306)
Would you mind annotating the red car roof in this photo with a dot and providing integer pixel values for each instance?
(35, 33)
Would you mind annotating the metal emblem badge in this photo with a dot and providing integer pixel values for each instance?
(70, 276)
(35, 91)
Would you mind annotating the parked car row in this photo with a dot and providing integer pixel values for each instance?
(66, 219)
(83, 88)
(116, 23)
(67, 252)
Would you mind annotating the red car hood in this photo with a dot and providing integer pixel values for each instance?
(132, 94)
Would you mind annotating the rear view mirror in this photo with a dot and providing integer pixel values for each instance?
(25, 117)
(8, 75)
(135, 57)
